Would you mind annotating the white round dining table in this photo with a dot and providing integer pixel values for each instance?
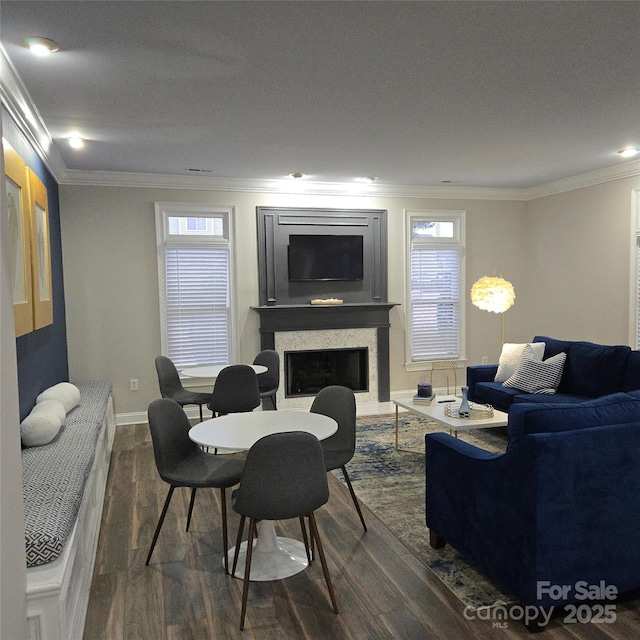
(213, 370)
(273, 557)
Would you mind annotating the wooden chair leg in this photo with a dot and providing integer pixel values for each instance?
(238, 543)
(160, 521)
(247, 571)
(353, 496)
(225, 539)
(191, 503)
(306, 540)
(323, 561)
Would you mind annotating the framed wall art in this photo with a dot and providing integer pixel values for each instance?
(20, 234)
(40, 252)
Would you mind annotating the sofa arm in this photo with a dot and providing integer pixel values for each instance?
(480, 373)
(484, 505)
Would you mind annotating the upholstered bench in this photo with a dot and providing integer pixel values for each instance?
(63, 488)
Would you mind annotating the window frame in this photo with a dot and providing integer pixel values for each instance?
(634, 279)
(164, 240)
(457, 242)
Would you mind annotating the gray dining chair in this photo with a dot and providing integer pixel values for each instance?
(339, 403)
(235, 390)
(181, 463)
(283, 477)
(269, 381)
(171, 387)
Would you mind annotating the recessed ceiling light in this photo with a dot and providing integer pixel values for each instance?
(76, 142)
(629, 152)
(297, 175)
(41, 46)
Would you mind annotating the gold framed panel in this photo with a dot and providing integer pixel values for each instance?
(40, 252)
(18, 207)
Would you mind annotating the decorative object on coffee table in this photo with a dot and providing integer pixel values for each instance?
(464, 410)
(425, 394)
(495, 294)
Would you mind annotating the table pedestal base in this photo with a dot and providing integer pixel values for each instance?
(273, 558)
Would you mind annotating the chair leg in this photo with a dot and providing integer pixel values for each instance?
(160, 521)
(247, 571)
(323, 561)
(238, 543)
(191, 503)
(353, 496)
(306, 539)
(201, 418)
(225, 539)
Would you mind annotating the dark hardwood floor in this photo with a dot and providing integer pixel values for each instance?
(383, 590)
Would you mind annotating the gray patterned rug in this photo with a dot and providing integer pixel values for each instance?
(392, 484)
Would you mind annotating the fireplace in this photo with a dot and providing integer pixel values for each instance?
(291, 328)
(308, 371)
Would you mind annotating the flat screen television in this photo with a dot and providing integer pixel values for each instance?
(324, 257)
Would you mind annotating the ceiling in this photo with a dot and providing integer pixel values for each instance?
(477, 94)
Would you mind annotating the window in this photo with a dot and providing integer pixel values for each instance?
(195, 276)
(435, 286)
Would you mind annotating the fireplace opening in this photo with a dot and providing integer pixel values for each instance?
(306, 372)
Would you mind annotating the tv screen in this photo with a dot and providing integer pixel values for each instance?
(325, 258)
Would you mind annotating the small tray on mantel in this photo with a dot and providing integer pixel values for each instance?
(478, 411)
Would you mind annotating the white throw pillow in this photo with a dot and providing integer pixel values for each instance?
(41, 426)
(511, 356)
(64, 392)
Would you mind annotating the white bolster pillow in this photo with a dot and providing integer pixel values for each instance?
(41, 426)
(65, 392)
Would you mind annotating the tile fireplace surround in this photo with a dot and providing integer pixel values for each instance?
(307, 327)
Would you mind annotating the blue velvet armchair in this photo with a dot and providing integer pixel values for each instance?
(557, 508)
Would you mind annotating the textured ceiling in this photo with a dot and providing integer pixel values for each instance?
(483, 94)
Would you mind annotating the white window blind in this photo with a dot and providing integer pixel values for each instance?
(435, 285)
(196, 293)
(435, 303)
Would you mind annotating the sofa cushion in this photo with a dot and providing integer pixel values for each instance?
(495, 394)
(595, 370)
(631, 376)
(552, 346)
(537, 376)
(554, 398)
(525, 418)
(511, 355)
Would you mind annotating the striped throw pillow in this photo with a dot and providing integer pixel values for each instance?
(534, 375)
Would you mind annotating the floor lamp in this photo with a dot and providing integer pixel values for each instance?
(495, 294)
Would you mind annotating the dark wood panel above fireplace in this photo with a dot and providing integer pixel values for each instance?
(276, 225)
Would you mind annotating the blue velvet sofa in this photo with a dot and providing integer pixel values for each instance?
(590, 371)
(560, 507)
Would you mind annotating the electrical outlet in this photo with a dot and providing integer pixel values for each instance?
(484, 359)
(133, 384)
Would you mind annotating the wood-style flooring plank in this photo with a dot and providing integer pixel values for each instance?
(383, 591)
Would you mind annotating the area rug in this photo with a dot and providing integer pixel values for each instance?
(392, 484)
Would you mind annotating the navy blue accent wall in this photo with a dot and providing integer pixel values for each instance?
(42, 354)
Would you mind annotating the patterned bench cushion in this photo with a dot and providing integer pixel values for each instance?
(54, 475)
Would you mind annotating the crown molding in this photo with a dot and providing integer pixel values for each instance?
(21, 108)
(288, 186)
(18, 103)
(607, 174)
